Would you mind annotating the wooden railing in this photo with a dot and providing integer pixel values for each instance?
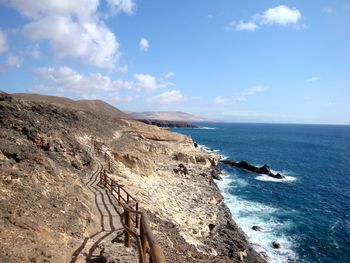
(134, 221)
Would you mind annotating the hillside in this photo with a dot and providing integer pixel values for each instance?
(167, 116)
(93, 106)
(50, 204)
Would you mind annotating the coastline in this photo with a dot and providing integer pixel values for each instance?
(189, 216)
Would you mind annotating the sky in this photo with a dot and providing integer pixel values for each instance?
(235, 61)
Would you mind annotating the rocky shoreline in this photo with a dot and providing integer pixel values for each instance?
(190, 218)
(44, 161)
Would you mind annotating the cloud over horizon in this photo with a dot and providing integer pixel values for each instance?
(279, 15)
(242, 96)
(167, 97)
(65, 80)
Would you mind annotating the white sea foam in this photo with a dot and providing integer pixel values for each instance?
(247, 214)
(267, 178)
(287, 177)
(207, 149)
(207, 128)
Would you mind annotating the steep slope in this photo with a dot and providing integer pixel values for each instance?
(93, 106)
(167, 116)
(47, 209)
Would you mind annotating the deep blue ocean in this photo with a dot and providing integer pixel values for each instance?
(308, 213)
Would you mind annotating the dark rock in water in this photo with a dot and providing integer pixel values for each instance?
(277, 175)
(195, 144)
(215, 173)
(265, 169)
(256, 228)
(276, 245)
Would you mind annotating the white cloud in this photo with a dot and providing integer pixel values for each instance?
(144, 45)
(170, 74)
(3, 44)
(65, 78)
(167, 97)
(145, 81)
(14, 61)
(242, 96)
(312, 79)
(126, 6)
(279, 15)
(246, 26)
(73, 29)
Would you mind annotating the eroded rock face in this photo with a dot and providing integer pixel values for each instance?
(44, 206)
(182, 157)
(139, 164)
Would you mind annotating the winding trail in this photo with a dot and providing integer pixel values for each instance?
(111, 230)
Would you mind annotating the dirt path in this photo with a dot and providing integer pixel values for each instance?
(110, 236)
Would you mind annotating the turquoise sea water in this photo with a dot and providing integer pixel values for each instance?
(309, 211)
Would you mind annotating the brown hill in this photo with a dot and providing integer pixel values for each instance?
(168, 116)
(93, 106)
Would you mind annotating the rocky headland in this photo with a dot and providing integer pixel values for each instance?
(265, 169)
(47, 209)
(168, 124)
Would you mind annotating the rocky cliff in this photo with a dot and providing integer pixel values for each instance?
(46, 210)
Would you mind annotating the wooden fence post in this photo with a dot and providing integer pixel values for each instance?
(127, 223)
(118, 193)
(143, 240)
(137, 215)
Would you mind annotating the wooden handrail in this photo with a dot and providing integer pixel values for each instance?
(146, 242)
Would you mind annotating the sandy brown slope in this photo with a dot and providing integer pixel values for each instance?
(94, 106)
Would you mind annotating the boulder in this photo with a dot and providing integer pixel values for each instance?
(215, 173)
(183, 169)
(256, 228)
(211, 227)
(276, 245)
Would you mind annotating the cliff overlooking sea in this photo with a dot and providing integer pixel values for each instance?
(48, 206)
(307, 211)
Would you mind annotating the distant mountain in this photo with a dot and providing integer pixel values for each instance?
(167, 116)
(94, 106)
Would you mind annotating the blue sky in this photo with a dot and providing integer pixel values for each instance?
(245, 61)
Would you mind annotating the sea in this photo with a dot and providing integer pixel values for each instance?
(307, 212)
